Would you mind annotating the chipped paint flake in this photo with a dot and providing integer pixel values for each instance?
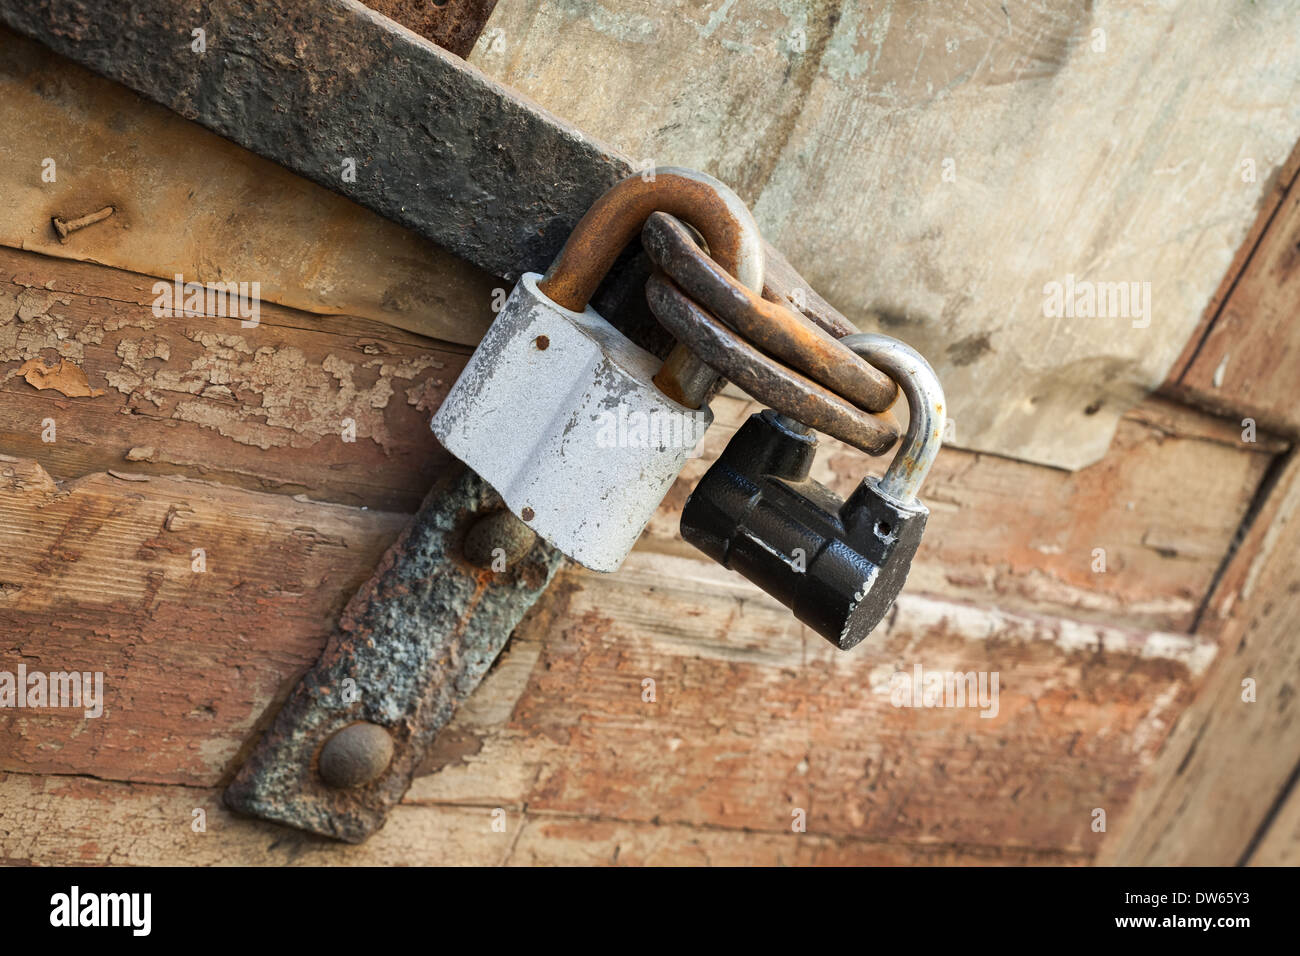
(65, 377)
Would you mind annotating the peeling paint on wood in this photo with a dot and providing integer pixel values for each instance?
(64, 377)
(342, 404)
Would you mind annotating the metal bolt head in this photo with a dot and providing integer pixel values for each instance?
(356, 755)
(498, 530)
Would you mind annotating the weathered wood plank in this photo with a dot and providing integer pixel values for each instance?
(753, 718)
(1230, 760)
(266, 407)
(189, 202)
(1161, 557)
(1163, 505)
(871, 140)
(1279, 844)
(86, 821)
(1278, 190)
(554, 840)
(1248, 361)
(100, 576)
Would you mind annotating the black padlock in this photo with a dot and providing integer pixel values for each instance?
(837, 564)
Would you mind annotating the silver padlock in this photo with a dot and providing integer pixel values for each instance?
(558, 411)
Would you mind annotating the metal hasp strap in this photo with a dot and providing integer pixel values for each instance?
(441, 148)
(412, 643)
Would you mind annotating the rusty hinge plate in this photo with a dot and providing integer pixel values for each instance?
(413, 643)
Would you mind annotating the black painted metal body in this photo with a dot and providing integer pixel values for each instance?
(838, 565)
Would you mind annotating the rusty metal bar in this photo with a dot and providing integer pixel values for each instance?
(411, 644)
(440, 148)
(769, 381)
(617, 217)
(722, 220)
(773, 328)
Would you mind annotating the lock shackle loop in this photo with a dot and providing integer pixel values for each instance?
(926, 406)
(616, 218)
(785, 334)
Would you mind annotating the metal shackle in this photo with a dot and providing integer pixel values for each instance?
(926, 405)
(615, 219)
(785, 334)
(707, 205)
(769, 351)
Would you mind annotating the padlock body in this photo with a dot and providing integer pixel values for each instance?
(838, 565)
(558, 412)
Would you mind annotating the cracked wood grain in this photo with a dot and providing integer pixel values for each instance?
(1217, 794)
(752, 717)
(91, 821)
(197, 601)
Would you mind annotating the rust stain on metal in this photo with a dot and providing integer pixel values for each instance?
(781, 332)
(359, 81)
(454, 25)
(765, 379)
(65, 227)
(414, 641)
(616, 218)
(498, 536)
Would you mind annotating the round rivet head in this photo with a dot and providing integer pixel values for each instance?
(498, 535)
(356, 755)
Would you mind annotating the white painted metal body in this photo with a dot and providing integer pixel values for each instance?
(557, 411)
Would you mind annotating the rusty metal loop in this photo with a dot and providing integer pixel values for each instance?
(780, 332)
(761, 376)
(616, 217)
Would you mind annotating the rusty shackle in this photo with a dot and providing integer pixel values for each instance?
(782, 333)
(707, 204)
(770, 352)
(616, 218)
